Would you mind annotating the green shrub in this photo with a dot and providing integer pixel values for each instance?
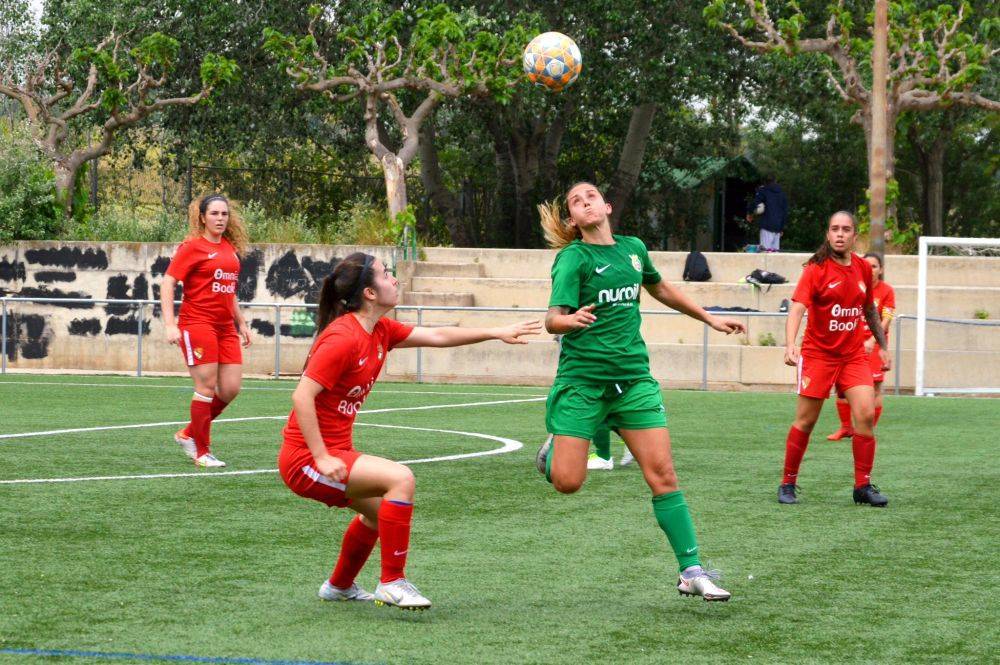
(767, 339)
(116, 223)
(981, 314)
(264, 227)
(28, 209)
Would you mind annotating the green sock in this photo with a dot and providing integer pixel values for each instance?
(548, 462)
(672, 514)
(602, 441)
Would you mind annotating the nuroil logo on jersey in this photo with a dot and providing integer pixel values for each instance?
(838, 312)
(620, 295)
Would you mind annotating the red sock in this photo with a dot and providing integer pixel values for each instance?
(844, 411)
(358, 543)
(218, 406)
(394, 532)
(864, 459)
(201, 423)
(795, 448)
(878, 414)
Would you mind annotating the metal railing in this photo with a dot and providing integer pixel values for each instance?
(278, 308)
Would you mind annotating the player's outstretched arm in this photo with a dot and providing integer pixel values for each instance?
(674, 298)
(795, 313)
(446, 336)
(304, 405)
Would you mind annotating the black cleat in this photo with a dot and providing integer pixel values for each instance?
(786, 493)
(869, 494)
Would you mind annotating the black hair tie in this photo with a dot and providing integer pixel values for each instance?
(203, 206)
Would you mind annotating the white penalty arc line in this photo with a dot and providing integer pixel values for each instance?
(509, 446)
(164, 386)
(104, 428)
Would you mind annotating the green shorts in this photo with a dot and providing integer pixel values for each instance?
(577, 409)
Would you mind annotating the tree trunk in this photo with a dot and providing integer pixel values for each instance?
(935, 186)
(395, 183)
(877, 158)
(442, 200)
(500, 231)
(65, 180)
(630, 160)
(525, 152)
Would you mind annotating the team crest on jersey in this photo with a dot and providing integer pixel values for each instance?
(380, 352)
(861, 285)
(198, 352)
(805, 382)
(636, 263)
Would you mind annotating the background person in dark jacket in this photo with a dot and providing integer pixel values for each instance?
(772, 220)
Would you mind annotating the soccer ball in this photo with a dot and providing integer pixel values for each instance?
(552, 60)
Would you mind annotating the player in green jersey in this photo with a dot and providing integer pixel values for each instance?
(603, 373)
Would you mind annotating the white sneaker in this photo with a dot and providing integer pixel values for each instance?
(186, 443)
(542, 455)
(595, 462)
(627, 458)
(208, 460)
(701, 582)
(353, 592)
(400, 593)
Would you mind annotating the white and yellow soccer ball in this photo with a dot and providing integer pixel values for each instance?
(552, 60)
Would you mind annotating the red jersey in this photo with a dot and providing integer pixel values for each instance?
(885, 301)
(345, 360)
(209, 273)
(836, 297)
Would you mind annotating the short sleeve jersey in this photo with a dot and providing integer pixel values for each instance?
(884, 298)
(345, 360)
(609, 276)
(836, 297)
(209, 273)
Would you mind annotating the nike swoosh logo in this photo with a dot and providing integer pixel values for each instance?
(691, 550)
(362, 362)
(213, 255)
(832, 285)
(398, 553)
(601, 270)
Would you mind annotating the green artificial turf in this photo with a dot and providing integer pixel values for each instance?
(229, 566)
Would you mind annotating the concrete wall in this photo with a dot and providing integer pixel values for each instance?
(90, 336)
(103, 337)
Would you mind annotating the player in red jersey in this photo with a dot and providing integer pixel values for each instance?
(885, 301)
(208, 265)
(318, 460)
(836, 288)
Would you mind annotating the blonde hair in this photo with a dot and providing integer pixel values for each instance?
(235, 232)
(559, 231)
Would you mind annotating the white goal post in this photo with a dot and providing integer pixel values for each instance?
(926, 243)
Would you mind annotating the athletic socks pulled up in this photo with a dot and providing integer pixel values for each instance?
(795, 450)
(844, 411)
(674, 518)
(200, 426)
(394, 518)
(356, 547)
(864, 459)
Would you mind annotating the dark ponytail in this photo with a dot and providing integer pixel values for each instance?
(826, 250)
(342, 288)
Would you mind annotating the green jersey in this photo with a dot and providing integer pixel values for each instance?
(609, 276)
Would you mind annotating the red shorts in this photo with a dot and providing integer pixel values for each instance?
(875, 362)
(204, 343)
(818, 374)
(296, 467)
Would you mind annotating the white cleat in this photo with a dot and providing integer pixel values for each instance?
(542, 455)
(627, 458)
(700, 582)
(186, 443)
(353, 592)
(208, 460)
(400, 593)
(599, 463)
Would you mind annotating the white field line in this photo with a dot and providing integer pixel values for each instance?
(163, 386)
(103, 428)
(509, 445)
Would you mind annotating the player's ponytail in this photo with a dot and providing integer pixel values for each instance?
(342, 288)
(825, 250)
(557, 230)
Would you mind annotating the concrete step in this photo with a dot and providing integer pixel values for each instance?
(447, 269)
(729, 267)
